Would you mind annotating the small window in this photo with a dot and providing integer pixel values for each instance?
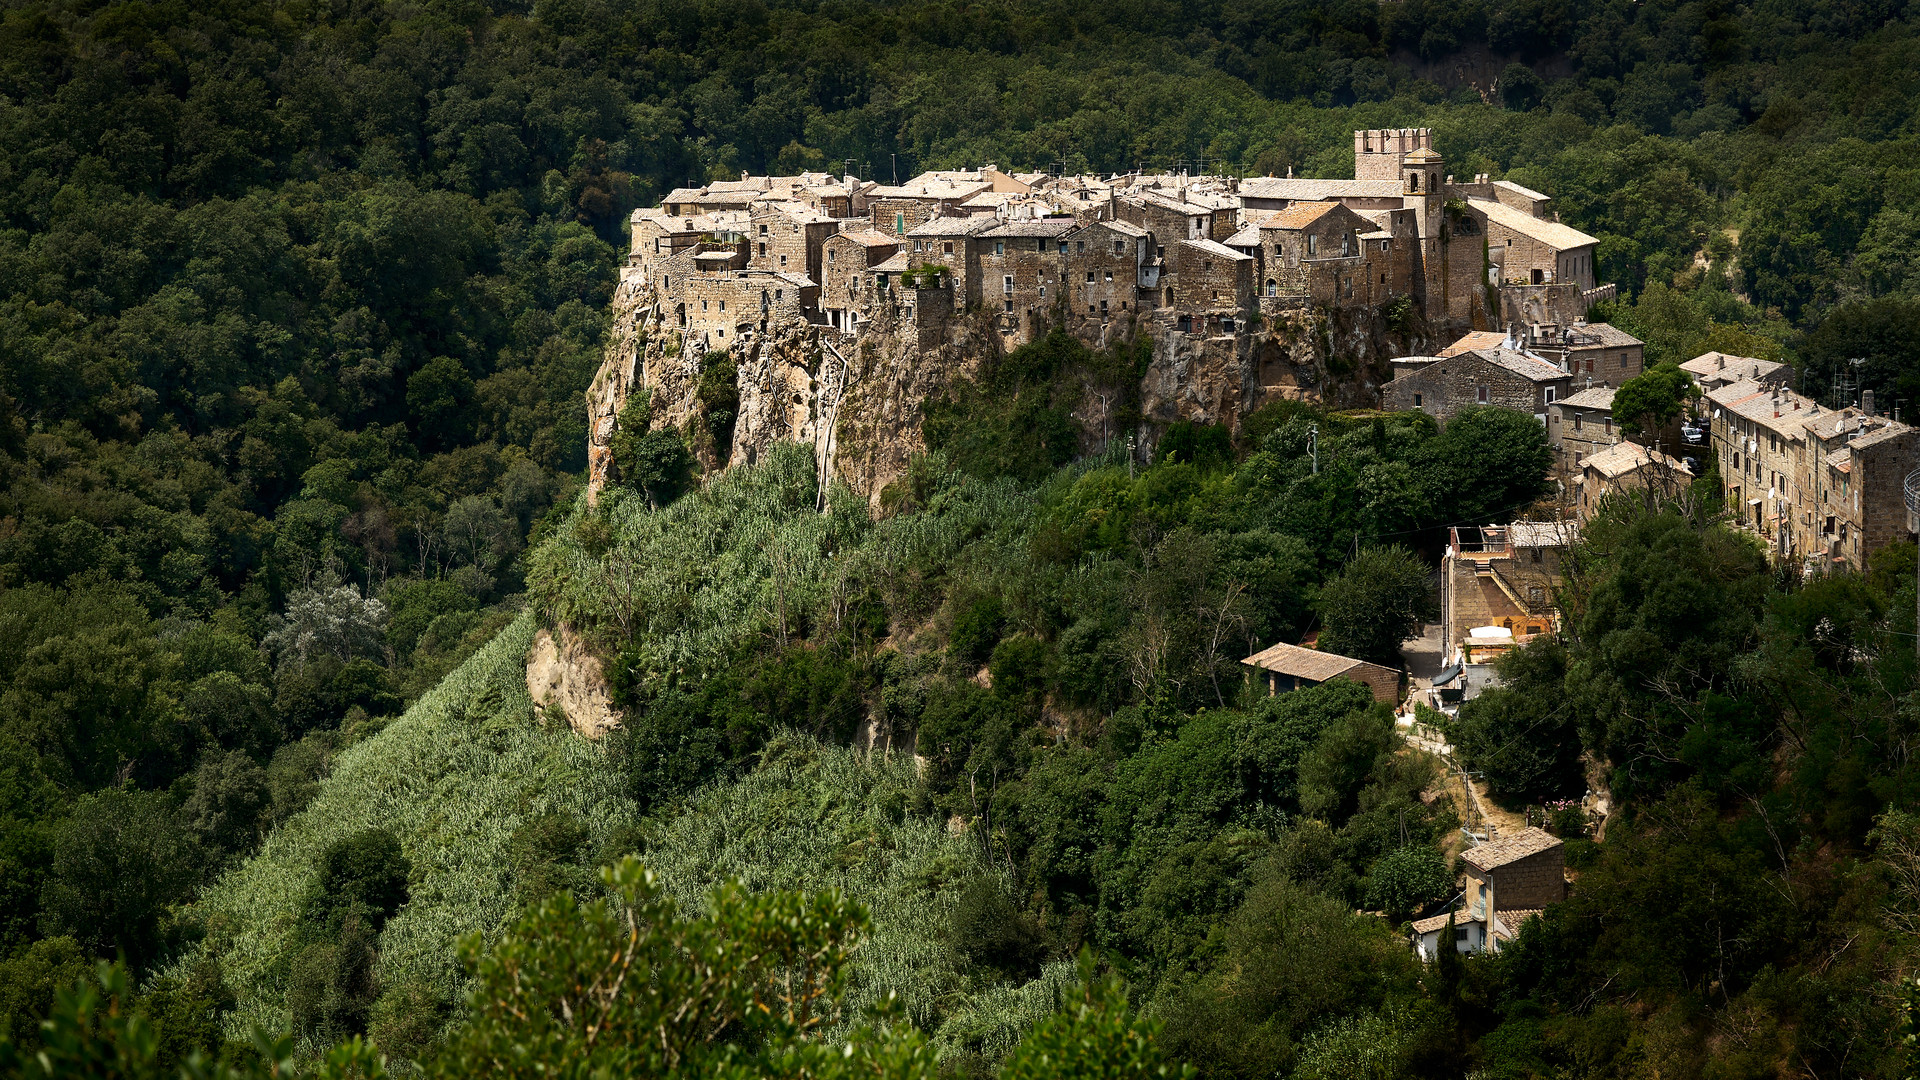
(1480, 395)
(1089, 277)
(723, 305)
(763, 231)
(1313, 244)
(1606, 423)
(1009, 307)
(783, 260)
(1459, 933)
(1109, 275)
(1579, 420)
(763, 251)
(1080, 245)
(947, 247)
(999, 247)
(1007, 284)
(1119, 247)
(1103, 307)
(830, 256)
(703, 305)
(1063, 247)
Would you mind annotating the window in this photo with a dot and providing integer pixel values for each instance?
(1109, 275)
(1538, 555)
(1089, 277)
(776, 294)
(1480, 395)
(1063, 247)
(666, 282)
(1043, 292)
(880, 281)
(946, 247)
(1549, 395)
(1460, 933)
(783, 260)
(1313, 244)
(723, 305)
(703, 305)
(1413, 181)
(1119, 247)
(763, 251)
(1606, 423)
(999, 247)
(1040, 245)
(830, 256)
(1383, 247)
(1623, 361)
(763, 230)
(899, 223)
(1009, 307)
(1006, 285)
(1080, 245)
(1206, 267)
(1103, 307)
(1416, 401)
(1579, 420)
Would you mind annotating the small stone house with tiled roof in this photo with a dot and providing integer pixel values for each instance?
(1628, 466)
(1581, 424)
(1714, 370)
(1498, 376)
(1284, 668)
(1507, 881)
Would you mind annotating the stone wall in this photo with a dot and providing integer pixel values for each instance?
(1533, 882)
(1444, 387)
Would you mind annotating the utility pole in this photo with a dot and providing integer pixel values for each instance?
(1313, 446)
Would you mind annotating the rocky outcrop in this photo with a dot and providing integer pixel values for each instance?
(858, 400)
(565, 678)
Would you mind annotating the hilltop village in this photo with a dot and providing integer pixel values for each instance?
(846, 302)
(1133, 253)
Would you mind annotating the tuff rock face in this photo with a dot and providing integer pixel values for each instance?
(857, 399)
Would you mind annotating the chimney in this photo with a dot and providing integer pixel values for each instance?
(1721, 363)
(1866, 402)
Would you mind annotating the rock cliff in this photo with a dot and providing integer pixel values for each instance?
(857, 400)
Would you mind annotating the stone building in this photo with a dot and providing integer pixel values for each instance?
(1508, 880)
(786, 238)
(1825, 486)
(1210, 285)
(1599, 351)
(1625, 467)
(1284, 668)
(1528, 250)
(1581, 424)
(1023, 269)
(716, 295)
(849, 278)
(1497, 376)
(1500, 576)
(1171, 218)
(1103, 278)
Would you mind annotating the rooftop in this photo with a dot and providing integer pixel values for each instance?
(1304, 190)
(1726, 367)
(1551, 233)
(1045, 227)
(1299, 215)
(1215, 248)
(1477, 339)
(1494, 854)
(1310, 664)
(1623, 458)
(1602, 334)
(1593, 397)
(1523, 364)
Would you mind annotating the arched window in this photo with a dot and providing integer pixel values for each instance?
(1272, 289)
(1413, 181)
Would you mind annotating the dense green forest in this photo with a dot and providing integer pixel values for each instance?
(297, 301)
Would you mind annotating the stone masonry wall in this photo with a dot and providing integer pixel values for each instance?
(1532, 882)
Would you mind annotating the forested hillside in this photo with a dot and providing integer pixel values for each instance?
(297, 301)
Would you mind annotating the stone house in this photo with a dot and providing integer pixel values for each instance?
(1284, 668)
(848, 279)
(1528, 250)
(787, 237)
(716, 295)
(1502, 377)
(1759, 435)
(1855, 472)
(953, 242)
(1600, 351)
(1103, 271)
(1627, 466)
(1171, 218)
(896, 210)
(1581, 424)
(1508, 881)
(1023, 271)
(1209, 285)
